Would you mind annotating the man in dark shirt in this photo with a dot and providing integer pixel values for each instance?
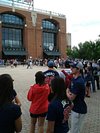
(49, 75)
(51, 72)
(76, 93)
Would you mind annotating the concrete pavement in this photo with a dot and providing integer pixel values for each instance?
(24, 77)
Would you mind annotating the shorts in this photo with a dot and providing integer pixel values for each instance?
(88, 84)
(38, 115)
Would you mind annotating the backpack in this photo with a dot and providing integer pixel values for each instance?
(68, 78)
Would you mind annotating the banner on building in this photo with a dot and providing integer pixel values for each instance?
(34, 17)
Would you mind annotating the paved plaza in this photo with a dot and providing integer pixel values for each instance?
(24, 77)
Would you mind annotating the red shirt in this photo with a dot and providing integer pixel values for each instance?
(38, 95)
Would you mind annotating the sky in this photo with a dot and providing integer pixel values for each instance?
(82, 17)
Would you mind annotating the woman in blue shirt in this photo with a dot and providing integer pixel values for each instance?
(59, 108)
(10, 113)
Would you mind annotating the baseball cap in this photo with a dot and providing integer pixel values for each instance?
(77, 65)
(51, 63)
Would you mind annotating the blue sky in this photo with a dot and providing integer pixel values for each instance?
(83, 17)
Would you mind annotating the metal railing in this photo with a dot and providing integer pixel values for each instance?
(28, 7)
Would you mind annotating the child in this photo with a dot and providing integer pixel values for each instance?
(38, 95)
(10, 114)
(59, 108)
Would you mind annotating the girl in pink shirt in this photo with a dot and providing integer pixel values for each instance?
(38, 95)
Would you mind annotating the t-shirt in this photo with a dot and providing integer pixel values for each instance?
(56, 113)
(67, 76)
(68, 71)
(8, 114)
(78, 88)
(50, 74)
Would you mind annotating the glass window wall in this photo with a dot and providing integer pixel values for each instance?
(12, 19)
(49, 35)
(12, 35)
(11, 38)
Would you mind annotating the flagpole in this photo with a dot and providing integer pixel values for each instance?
(33, 14)
(32, 5)
(13, 8)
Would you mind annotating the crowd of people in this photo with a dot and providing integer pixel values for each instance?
(55, 96)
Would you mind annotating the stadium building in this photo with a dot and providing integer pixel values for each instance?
(25, 31)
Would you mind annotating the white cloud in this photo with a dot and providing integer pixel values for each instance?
(83, 17)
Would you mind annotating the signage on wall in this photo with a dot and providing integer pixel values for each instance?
(51, 46)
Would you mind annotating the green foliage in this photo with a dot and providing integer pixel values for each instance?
(87, 50)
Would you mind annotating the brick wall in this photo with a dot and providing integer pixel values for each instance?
(32, 36)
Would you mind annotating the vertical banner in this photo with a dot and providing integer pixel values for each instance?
(34, 17)
(33, 14)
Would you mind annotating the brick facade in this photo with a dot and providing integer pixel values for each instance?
(32, 35)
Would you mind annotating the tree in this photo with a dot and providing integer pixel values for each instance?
(73, 53)
(87, 50)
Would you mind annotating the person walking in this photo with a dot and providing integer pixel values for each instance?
(76, 93)
(38, 95)
(10, 113)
